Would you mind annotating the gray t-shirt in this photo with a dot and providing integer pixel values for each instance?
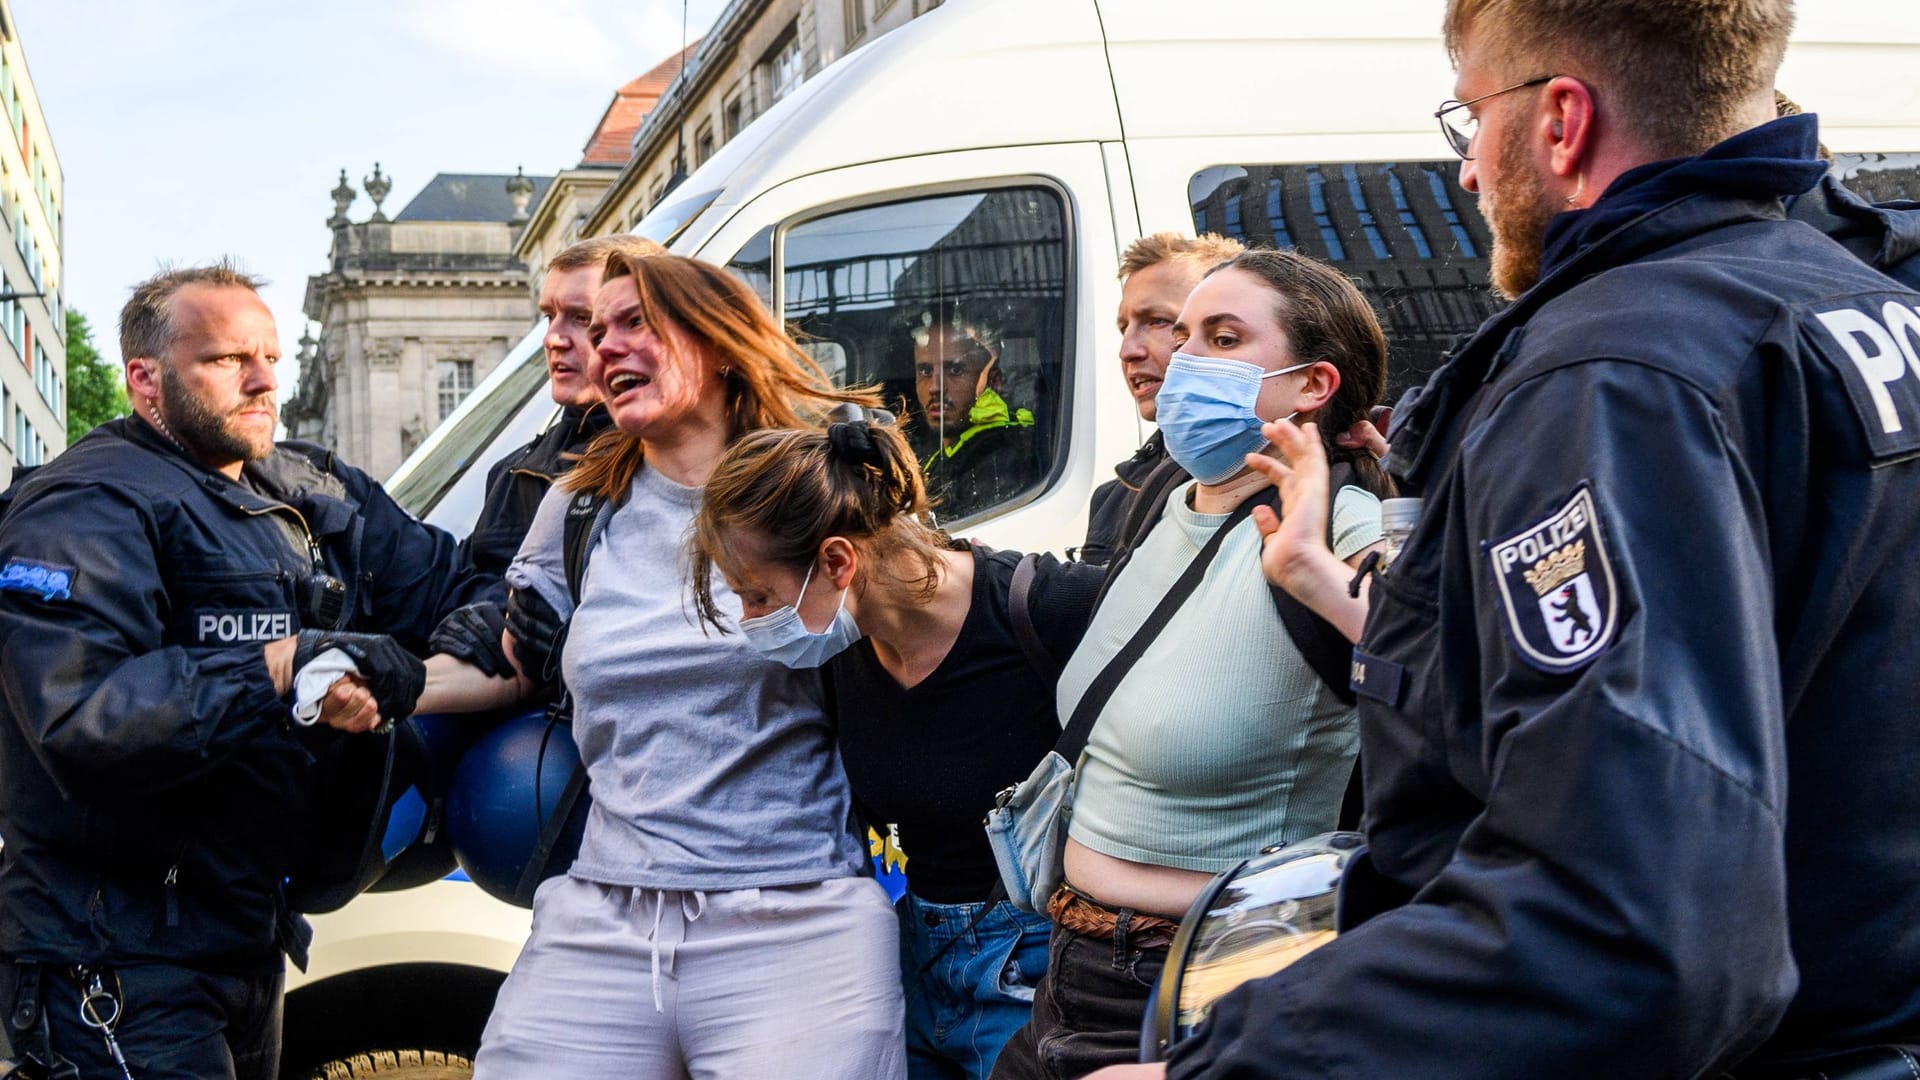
(711, 767)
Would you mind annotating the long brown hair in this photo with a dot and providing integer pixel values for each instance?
(791, 489)
(769, 381)
(1326, 318)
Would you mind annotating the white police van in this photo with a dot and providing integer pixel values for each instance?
(997, 156)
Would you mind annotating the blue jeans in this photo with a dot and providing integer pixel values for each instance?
(964, 1002)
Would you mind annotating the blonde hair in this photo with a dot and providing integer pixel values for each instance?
(597, 250)
(769, 381)
(792, 489)
(1199, 252)
(1677, 74)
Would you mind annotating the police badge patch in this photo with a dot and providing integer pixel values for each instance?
(1556, 584)
(46, 580)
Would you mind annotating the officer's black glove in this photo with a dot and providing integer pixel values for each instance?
(537, 632)
(394, 676)
(472, 634)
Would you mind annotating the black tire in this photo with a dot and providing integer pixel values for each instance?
(397, 1065)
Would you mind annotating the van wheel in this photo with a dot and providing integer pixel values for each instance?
(397, 1065)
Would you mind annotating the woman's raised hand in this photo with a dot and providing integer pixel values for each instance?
(1293, 546)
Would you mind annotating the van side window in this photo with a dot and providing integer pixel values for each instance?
(1405, 231)
(955, 307)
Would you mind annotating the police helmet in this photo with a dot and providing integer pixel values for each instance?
(1248, 923)
(518, 807)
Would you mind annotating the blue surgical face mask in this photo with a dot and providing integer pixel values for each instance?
(782, 636)
(1205, 412)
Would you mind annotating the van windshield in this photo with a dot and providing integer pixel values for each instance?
(469, 436)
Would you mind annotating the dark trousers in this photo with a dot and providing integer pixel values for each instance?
(1088, 1011)
(175, 1023)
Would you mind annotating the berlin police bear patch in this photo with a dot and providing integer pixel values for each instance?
(1556, 584)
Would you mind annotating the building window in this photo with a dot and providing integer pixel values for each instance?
(1443, 198)
(734, 117)
(1407, 220)
(1426, 292)
(856, 20)
(703, 144)
(921, 7)
(956, 307)
(1277, 213)
(782, 66)
(456, 381)
(1322, 218)
(1358, 197)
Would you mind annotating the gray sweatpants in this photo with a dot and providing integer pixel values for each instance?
(639, 984)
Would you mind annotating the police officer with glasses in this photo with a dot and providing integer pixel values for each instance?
(1638, 692)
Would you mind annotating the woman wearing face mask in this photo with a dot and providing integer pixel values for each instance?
(937, 702)
(719, 919)
(1221, 738)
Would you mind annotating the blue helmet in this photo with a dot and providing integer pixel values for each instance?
(518, 806)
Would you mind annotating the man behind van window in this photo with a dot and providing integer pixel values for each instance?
(1638, 691)
(517, 482)
(985, 452)
(1156, 273)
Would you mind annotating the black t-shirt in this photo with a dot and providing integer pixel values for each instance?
(931, 758)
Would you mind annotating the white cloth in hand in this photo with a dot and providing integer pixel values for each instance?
(312, 682)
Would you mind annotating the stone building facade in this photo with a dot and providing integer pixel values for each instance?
(758, 52)
(414, 311)
(33, 329)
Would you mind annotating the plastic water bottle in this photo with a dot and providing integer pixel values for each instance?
(1397, 519)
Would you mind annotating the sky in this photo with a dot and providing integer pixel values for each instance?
(217, 127)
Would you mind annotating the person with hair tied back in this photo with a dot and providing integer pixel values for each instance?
(719, 919)
(938, 698)
(1225, 735)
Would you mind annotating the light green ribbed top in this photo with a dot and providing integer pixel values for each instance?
(1221, 740)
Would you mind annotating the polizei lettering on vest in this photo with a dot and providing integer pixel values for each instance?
(233, 627)
(1549, 537)
(1895, 340)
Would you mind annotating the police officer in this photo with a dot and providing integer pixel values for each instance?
(1638, 692)
(518, 481)
(164, 585)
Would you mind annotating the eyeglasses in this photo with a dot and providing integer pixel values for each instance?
(1460, 127)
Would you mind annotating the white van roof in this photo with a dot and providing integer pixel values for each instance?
(986, 73)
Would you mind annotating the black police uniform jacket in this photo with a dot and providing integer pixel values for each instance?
(1638, 715)
(1107, 510)
(515, 486)
(152, 796)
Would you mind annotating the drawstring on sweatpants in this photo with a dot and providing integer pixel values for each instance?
(693, 904)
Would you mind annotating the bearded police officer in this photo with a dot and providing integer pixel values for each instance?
(1638, 693)
(163, 586)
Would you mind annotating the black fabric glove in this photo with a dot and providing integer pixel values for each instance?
(395, 676)
(472, 633)
(537, 632)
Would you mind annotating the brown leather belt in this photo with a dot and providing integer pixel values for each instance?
(1076, 911)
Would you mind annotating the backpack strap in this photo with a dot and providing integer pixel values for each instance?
(1325, 649)
(1020, 611)
(587, 515)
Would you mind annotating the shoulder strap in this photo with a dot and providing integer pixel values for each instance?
(1074, 739)
(587, 516)
(1020, 610)
(1325, 649)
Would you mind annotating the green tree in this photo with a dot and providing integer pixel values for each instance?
(95, 393)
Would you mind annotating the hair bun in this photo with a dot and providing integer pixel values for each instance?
(852, 440)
